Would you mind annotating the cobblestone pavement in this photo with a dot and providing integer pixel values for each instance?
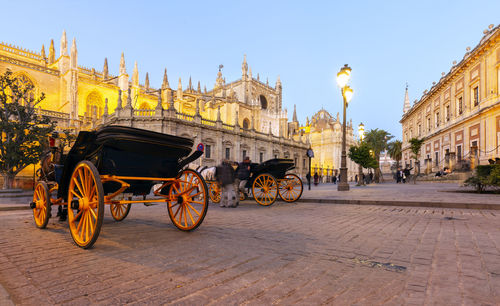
(299, 253)
(389, 191)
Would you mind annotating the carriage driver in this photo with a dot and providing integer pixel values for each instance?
(243, 173)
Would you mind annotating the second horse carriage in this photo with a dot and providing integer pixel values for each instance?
(112, 165)
(267, 181)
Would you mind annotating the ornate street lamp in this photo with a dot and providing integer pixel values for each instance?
(342, 79)
(361, 131)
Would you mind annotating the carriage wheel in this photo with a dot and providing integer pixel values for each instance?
(265, 189)
(119, 211)
(41, 200)
(190, 200)
(85, 204)
(290, 188)
(214, 192)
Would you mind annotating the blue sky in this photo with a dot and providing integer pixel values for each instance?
(386, 43)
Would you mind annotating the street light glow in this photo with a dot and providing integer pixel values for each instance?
(361, 130)
(348, 92)
(343, 76)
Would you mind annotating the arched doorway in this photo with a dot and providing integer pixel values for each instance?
(263, 102)
(246, 124)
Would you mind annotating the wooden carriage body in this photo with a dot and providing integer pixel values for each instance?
(117, 160)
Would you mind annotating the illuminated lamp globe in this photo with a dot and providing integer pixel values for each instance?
(343, 76)
(348, 92)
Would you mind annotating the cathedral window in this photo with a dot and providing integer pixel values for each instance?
(261, 157)
(25, 84)
(144, 105)
(263, 102)
(228, 153)
(246, 124)
(244, 154)
(94, 105)
(208, 151)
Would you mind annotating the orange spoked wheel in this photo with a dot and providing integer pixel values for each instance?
(189, 200)
(41, 205)
(214, 192)
(265, 189)
(85, 204)
(290, 188)
(119, 211)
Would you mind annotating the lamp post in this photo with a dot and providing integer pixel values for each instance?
(342, 78)
(361, 132)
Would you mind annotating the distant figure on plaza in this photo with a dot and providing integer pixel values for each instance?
(225, 176)
(371, 176)
(406, 174)
(399, 175)
(316, 179)
(243, 173)
(308, 177)
(334, 179)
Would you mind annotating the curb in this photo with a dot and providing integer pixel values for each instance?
(404, 203)
(10, 208)
(356, 202)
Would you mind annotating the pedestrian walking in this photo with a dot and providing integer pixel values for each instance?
(225, 177)
(316, 179)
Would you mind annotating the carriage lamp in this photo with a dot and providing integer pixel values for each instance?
(343, 77)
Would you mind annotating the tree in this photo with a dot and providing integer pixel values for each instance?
(23, 132)
(394, 149)
(415, 146)
(361, 155)
(377, 141)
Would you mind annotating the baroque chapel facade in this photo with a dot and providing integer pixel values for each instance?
(324, 133)
(233, 119)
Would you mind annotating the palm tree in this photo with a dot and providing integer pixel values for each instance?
(394, 151)
(377, 141)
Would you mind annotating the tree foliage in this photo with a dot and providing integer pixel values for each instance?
(415, 146)
(394, 149)
(377, 140)
(23, 132)
(361, 155)
(484, 176)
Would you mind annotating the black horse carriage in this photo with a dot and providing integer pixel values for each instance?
(114, 163)
(268, 180)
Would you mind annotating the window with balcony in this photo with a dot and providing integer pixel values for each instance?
(436, 119)
(447, 113)
(429, 124)
(460, 105)
(228, 153)
(475, 96)
(419, 129)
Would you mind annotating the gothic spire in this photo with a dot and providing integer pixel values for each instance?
(64, 44)
(42, 53)
(165, 80)
(250, 73)
(190, 87)
(278, 82)
(406, 106)
(74, 55)
(295, 113)
(135, 75)
(199, 87)
(123, 70)
(179, 90)
(244, 67)
(105, 69)
(146, 82)
(52, 52)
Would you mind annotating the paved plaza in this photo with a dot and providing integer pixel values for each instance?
(299, 253)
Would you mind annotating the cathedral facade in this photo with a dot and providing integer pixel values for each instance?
(234, 119)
